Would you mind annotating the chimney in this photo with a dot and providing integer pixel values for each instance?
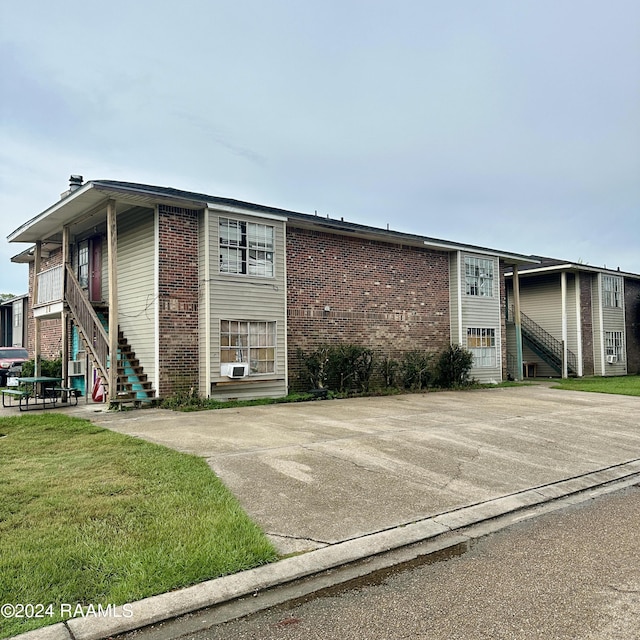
(75, 182)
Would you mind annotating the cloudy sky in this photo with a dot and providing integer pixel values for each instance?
(512, 124)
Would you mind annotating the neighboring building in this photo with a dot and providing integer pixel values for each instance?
(13, 324)
(217, 295)
(577, 320)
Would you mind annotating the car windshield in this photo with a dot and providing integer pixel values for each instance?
(17, 354)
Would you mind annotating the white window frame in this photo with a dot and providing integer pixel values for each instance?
(614, 344)
(250, 341)
(246, 248)
(479, 275)
(481, 341)
(83, 264)
(612, 291)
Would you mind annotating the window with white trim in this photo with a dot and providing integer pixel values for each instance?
(83, 264)
(612, 291)
(613, 345)
(246, 248)
(478, 276)
(482, 344)
(251, 342)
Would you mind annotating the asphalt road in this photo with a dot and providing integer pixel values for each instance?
(573, 574)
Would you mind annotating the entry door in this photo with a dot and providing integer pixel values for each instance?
(95, 282)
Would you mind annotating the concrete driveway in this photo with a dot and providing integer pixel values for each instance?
(318, 473)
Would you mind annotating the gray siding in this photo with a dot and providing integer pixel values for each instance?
(136, 285)
(613, 320)
(247, 298)
(597, 326)
(484, 313)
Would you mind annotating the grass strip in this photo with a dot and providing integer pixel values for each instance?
(620, 385)
(94, 517)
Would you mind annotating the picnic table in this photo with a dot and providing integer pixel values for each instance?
(38, 392)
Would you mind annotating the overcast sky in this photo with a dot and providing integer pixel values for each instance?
(511, 124)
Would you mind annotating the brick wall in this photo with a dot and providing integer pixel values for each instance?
(632, 313)
(586, 311)
(50, 330)
(178, 300)
(347, 290)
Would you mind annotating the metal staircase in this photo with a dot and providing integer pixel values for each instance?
(543, 344)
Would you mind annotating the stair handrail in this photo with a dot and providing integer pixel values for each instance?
(87, 320)
(550, 342)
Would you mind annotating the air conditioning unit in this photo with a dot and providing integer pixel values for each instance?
(76, 367)
(235, 369)
(612, 359)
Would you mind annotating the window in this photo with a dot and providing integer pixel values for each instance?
(83, 264)
(479, 276)
(251, 342)
(246, 247)
(482, 343)
(612, 291)
(613, 345)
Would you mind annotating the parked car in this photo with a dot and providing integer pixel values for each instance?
(11, 359)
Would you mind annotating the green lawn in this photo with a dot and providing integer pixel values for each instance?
(94, 517)
(623, 385)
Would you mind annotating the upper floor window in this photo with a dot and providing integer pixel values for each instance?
(83, 264)
(246, 247)
(478, 276)
(612, 291)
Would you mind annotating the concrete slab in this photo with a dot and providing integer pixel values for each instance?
(318, 473)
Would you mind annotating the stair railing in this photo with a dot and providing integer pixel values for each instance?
(545, 340)
(88, 323)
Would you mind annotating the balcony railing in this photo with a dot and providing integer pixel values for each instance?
(50, 287)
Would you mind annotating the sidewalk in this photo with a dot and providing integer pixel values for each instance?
(351, 479)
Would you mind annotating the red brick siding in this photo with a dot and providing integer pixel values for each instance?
(586, 313)
(178, 300)
(388, 297)
(632, 314)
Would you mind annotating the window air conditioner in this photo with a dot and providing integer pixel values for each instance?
(235, 369)
(612, 359)
(76, 367)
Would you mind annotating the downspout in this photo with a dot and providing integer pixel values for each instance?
(112, 244)
(518, 322)
(286, 300)
(156, 295)
(563, 290)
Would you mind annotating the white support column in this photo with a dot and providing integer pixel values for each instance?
(579, 324)
(518, 323)
(37, 336)
(112, 244)
(563, 289)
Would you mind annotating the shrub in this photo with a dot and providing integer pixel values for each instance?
(350, 367)
(49, 368)
(454, 365)
(416, 370)
(389, 371)
(315, 367)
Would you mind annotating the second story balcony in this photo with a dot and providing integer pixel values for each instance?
(48, 301)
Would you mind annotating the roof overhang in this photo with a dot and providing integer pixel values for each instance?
(570, 267)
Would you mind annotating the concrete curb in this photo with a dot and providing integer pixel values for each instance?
(438, 533)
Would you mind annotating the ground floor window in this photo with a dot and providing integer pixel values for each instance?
(613, 345)
(482, 343)
(250, 342)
